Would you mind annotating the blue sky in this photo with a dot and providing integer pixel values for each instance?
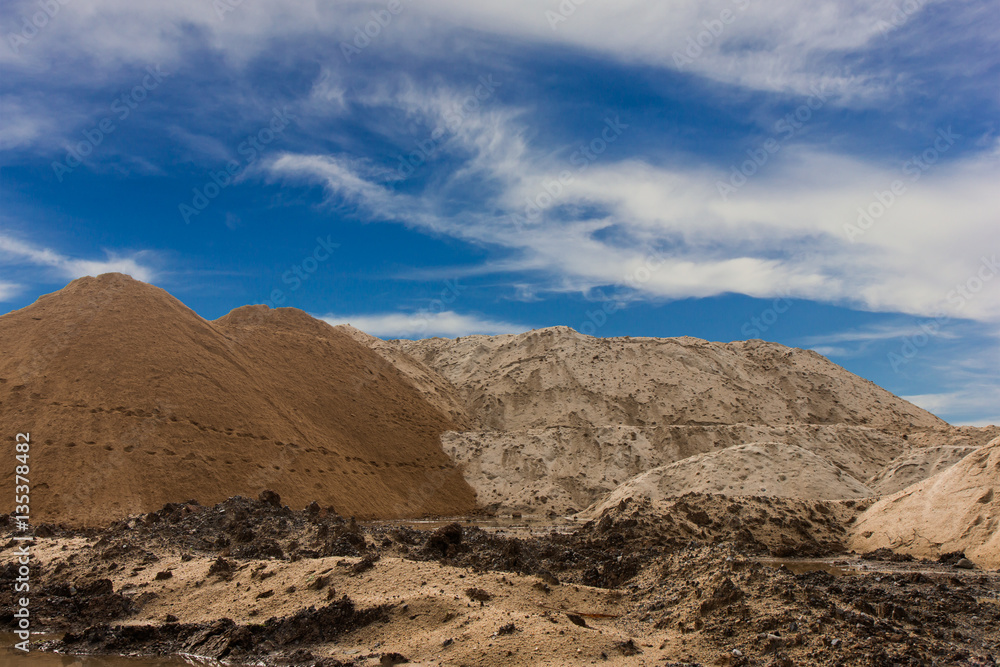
(820, 174)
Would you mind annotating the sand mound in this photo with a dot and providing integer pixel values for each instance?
(560, 419)
(915, 466)
(558, 377)
(956, 510)
(132, 400)
(757, 469)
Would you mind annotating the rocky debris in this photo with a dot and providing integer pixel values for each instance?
(885, 554)
(223, 639)
(818, 618)
(697, 571)
(59, 603)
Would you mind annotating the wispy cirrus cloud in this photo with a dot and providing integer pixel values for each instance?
(787, 233)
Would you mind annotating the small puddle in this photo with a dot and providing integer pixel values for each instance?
(35, 658)
(803, 566)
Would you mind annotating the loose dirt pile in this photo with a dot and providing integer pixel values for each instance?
(758, 469)
(915, 466)
(132, 400)
(957, 510)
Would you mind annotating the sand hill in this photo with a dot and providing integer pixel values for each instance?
(956, 510)
(916, 465)
(560, 419)
(558, 377)
(122, 387)
(758, 469)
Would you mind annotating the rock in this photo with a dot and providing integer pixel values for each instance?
(165, 574)
(478, 594)
(389, 659)
(577, 620)
(222, 568)
(965, 564)
(548, 577)
(365, 564)
(508, 629)
(270, 497)
(444, 540)
(628, 647)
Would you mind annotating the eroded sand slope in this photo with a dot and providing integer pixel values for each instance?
(956, 510)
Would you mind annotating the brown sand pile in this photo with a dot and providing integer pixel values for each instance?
(757, 469)
(438, 391)
(956, 510)
(132, 400)
(915, 466)
(563, 469)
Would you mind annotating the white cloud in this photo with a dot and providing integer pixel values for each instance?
(788, 46)
(666, 231)
(9, 290)
(69, 267)
(979, 400)
(448, 324)
(873, 334)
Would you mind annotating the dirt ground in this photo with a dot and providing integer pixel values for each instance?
(705, 580)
